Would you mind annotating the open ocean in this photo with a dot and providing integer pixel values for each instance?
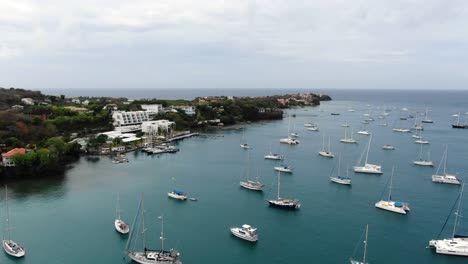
(69, 219)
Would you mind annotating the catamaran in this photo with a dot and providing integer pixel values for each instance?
(11, 247)
(445, 177)
(456, 245)
(345, 180)
(352, 261)
(283, 202)
(326, 153)
(368, 168)
(348, 140)
(249, 184)
(289, 140)
(423, 162)
(283, 168)
(119, 224)
(150, 256)
(392, 206)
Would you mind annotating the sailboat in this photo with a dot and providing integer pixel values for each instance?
(273, 156)
(458, 125)
(294, 133)
(346, 139)
(11, 247)
(289, 140)
(368, 168)
(119, 224)
(364, 132)
(392, 206)
(244, 145)
(345, 180)
(249, 184)
(326, 153)
(283, 202)
(421, 161)
(352, 261)
(456, 245)
(151, 256)
(445, 177)
(426, 117)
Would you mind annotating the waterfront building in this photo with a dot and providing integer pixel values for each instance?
(157, 125)
(7, 158)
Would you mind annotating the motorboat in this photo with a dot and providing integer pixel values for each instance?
(178, 195)
(245, 232)
(245, 146)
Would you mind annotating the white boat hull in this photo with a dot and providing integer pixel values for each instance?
(121, 226)
(273, 157)
(141, 257)
(449, 179)
(327, 154)
(423, 163)
(391, 206)
(255, 186)
(13, 249)
(282, 169)
(344, 181)
(289, 141)
(348, 140)
(369, 169)
(177, 196)
(237, 232)
(452, 246)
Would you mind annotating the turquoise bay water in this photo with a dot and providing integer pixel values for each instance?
(70, 219)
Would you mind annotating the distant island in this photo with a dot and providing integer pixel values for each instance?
(42, 133)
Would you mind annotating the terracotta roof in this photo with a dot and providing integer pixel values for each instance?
(16, 151)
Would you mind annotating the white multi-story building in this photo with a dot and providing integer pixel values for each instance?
(27, 101)
(157, 125)
(122, 118)
(154, 108)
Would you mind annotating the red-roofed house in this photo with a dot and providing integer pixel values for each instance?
(7, 161)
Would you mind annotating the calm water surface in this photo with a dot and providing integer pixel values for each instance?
(69, 219)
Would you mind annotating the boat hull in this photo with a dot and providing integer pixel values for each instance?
(177, 196)
(235, 232)
(368, 169)
(444, 179)
(390, 206)
(343, 181)
(253, 187)
(282, 169)
(423, 163)
(121, 226)
(326, 154)
(452, 246)
(140, 257)
(282, 205)
(13, 249)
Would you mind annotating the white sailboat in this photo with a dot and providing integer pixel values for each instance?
(119, 224)
(273, 156)
(249, 184)
(457, 245)
(445, 177)
(289, 140)
(243, 144)
(368, 168)
(11, 247)
(294, 133)
(345, 180)
(151, 256)
(426, 117)
(283, 202)
(352, 261)
(283, 168)
(423, 162)
(392, 206)
(348, 140)
(326, 153)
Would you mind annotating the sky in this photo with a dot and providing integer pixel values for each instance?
(365, 44)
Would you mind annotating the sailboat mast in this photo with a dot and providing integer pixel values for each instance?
(365, 245)
(162, 233)
(279, 175)
(458, 210)
(390, 187)
(445, 160)
(143, 231)
(329, 144)
(339, 164)
(8, 212)
(117, 209)
(323, 142)
(368, 147)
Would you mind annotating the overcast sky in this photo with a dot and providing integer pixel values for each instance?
(419, 44)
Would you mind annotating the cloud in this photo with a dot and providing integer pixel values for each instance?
(269, 39)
